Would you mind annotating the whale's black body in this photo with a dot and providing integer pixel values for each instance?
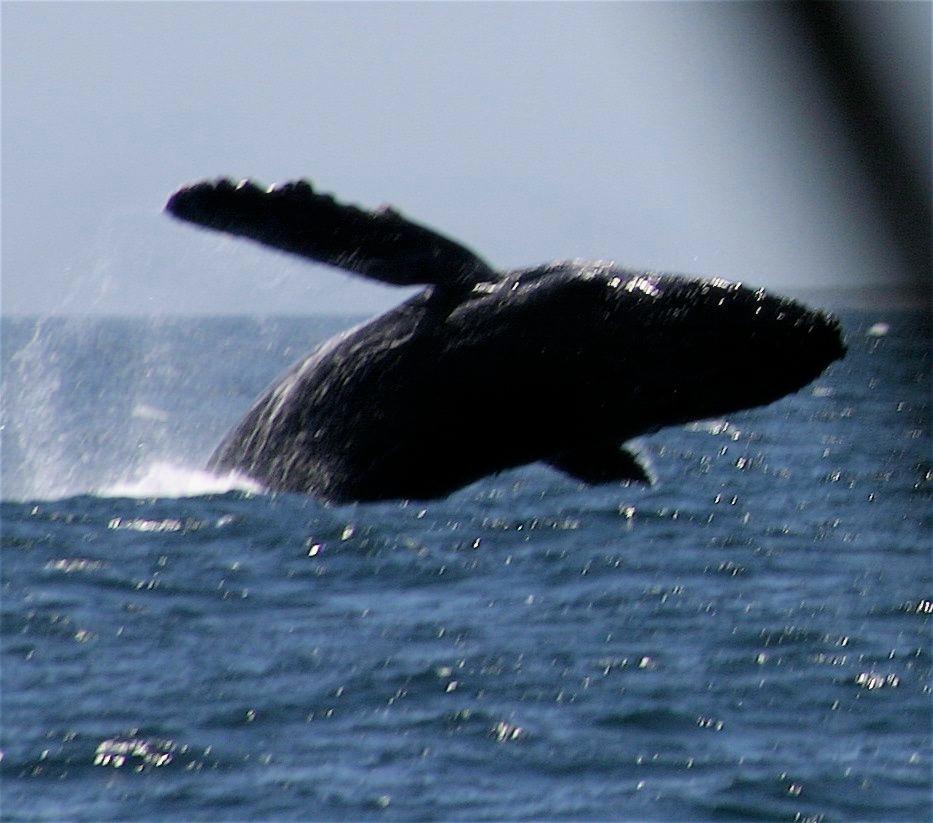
(484, 371)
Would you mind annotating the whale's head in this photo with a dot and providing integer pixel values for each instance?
(637, 351)
(707, 347)
(612, 351)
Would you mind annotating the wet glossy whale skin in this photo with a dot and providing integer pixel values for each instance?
(485, 371)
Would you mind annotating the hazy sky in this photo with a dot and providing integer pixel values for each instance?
(677, 136)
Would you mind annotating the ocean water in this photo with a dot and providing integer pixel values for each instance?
(748, 639)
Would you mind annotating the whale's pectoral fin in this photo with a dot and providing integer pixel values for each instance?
(603, 463)
(293, 217)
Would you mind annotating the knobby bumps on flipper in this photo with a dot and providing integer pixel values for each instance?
(382, 245)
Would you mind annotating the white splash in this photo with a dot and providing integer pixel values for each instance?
(168, 480)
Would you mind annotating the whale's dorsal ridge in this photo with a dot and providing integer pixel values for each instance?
(382, 244)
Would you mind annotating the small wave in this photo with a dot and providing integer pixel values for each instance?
(715, 428)
(169, 480)
(659, 720)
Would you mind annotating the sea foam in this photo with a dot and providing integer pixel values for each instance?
(161, 479)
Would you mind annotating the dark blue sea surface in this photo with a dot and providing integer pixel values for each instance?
(748, 639)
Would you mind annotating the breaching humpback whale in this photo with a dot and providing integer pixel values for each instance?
(485, 370)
